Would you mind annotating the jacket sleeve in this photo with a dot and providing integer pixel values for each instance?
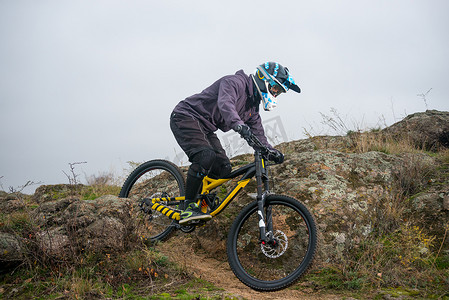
(230, 92)
(255, 123)
(228, 95)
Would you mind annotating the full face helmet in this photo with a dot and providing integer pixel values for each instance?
(272, 79)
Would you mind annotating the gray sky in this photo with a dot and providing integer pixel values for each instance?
(96, 81)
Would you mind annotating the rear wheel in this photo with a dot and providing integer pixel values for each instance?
(154, 179)
(276, 266)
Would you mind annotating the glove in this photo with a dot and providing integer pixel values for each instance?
(276, 156)
(244, 130)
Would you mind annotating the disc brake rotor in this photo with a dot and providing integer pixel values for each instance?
(279, 248)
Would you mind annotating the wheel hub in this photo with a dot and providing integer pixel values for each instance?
(277, 246)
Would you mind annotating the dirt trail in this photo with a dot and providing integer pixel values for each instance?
(219, 273)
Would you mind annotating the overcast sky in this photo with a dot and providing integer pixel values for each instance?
(95, 81)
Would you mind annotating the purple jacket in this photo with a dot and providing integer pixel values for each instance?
(224, 105)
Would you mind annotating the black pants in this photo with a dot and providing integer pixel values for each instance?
(193, 139)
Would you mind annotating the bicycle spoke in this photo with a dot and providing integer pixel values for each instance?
(285, 258)
(154, 179)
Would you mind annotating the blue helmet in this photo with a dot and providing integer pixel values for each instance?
(272, 79)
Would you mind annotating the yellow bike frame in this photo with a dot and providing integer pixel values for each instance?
(208, 185)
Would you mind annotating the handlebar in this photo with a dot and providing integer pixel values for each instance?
(254, 142)
(257, 145)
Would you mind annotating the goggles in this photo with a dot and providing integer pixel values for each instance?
(276, 90)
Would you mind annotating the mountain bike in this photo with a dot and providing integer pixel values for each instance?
(271, 243)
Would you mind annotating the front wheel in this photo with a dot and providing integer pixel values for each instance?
(277, 266)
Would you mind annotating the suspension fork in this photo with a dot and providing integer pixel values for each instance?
(265, 220)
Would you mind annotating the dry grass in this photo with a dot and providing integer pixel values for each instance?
(378, 141)
(102, 184)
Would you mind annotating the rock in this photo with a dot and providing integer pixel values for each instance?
(428, 130)
(341, 189)
(107, 233)
(10, 203)
(54, 242)
(351, 194)
(46, 193)
(430, 209)
(68, 224)
(10, 248)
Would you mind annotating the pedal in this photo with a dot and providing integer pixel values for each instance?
(195, 223)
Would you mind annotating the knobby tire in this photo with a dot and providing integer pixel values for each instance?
(155, 178)
(273, 268)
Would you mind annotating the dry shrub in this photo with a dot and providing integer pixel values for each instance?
(413, 174)
(401, 257)
(396, 253)
(387, 214)
(444, 157)
(379, 141)
(100, 185)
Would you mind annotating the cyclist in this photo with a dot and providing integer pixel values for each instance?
(231, 102)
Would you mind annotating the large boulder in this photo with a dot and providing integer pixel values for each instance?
(10, 248)
(62, 227)
(428, 130)
(96, 225)
(352, 195)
